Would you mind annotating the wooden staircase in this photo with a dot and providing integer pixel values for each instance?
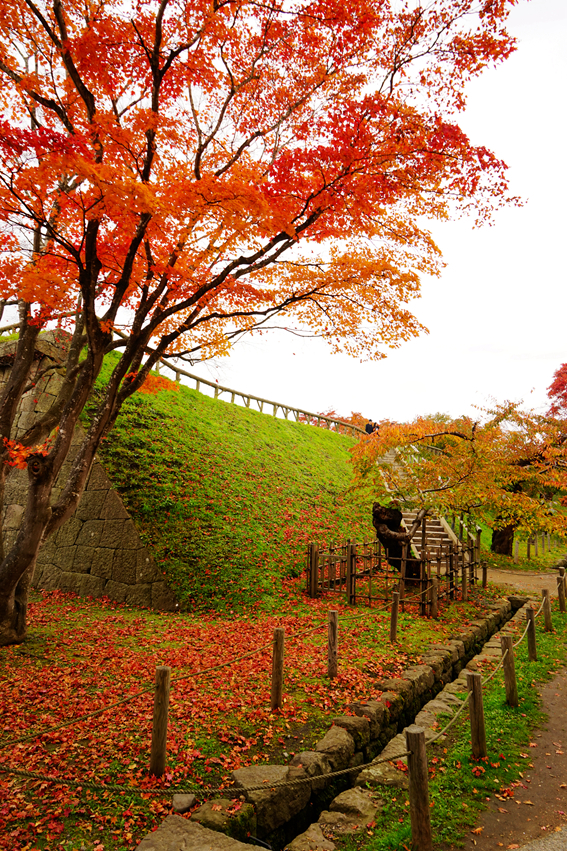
(438, 534)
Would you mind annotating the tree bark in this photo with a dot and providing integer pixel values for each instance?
(503, 540)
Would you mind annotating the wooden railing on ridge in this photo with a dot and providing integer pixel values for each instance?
(247, 398)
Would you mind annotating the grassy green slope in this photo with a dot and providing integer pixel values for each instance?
(226, 497)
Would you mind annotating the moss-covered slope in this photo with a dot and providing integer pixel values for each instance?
(227, 497)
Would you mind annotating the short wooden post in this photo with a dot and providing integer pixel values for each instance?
(464, 582)
(561, 594)
(158, 751)
(451, 573)
(547, 610)
(313, 570)
(403, 574)
(394, 617)
(562, 575)
(529, 549)
(516, 551)
(478, 534)
(510, 683)
(476, 711)
(421, 838)
(532, 649)
(333, 643)
(277, 669)
(484, 574)
(536, 538)
(434, 597)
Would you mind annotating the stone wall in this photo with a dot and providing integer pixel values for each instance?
(98, 552)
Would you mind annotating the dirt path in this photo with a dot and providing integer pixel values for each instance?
(539, 807)
(522, 580)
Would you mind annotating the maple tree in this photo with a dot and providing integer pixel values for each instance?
(557, 393)
(183, 173)
(504, 468)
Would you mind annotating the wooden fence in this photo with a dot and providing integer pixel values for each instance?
(366, 573)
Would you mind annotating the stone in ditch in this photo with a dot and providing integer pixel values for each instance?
(383, 774)
(338, 746)
(358, 726)
(312, 840)
(183, 803)
(275, 805)
(357, 804)
(228, 816)
(315, 765)
(180, 834)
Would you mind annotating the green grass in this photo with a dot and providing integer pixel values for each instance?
(459, 785)
(227, 498)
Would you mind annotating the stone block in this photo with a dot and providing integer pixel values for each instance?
(358, 804)
(183, 803)
(358, 726)
(112, 533)
(25, 421)
(146, 568)
(163, 598)
(139, 596)
(338, 746)
(124, 566)
(13, 516)
(113, 508)
(44, 403)
(90, 534)
(47, 551)
(311, 840)
(176, 833)
(69, 581)
(394, 703)
(314, 765)
(49, 579)
(83, 559)
(98, 480)
(116, 591)
(402, 687)
(376, 712)
(68, 533)
(101, 564)
(274, 805)
(227, 816)
(383, 774)
(422, 677)
(90, 586)
(438, 661)
(64, 558)
(90, 505)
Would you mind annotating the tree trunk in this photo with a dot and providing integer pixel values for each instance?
(13, 610)
(503, 540)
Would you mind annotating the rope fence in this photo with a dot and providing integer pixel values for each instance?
(415, 736)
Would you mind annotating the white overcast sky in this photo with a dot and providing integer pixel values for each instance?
(498, 316)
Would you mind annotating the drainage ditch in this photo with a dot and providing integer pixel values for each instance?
(287, 816)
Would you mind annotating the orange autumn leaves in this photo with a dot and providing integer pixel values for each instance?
(208, 167)
(509, 464)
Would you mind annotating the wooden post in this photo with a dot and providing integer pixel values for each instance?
(529, 549)
(333, 639)
(478, 534)
(422, 586)
(547, 610)
(536, 536)
(313, 570)
(161, 713)
(351, 574)
(394, 617)
(476, 710)
(434, 597)
(532, 649)
(561, 594)
(277, 669)
(451, 572)
(484, 574)
(564, 578)
(516, 551)
(510, 683)
(403, 574)
(464, 581)
(421, 838)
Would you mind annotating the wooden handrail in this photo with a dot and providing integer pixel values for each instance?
(248, 397)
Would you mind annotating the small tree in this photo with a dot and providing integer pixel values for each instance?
(195, 171)
(502, 469)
